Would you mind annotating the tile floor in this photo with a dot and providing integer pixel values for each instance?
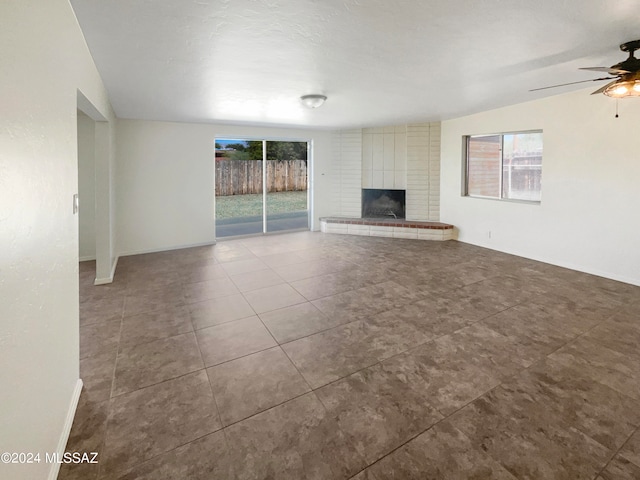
(318, 356)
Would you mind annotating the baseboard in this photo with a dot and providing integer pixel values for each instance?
(560, 263)
(87, 258)
(66, 430)
(165, 249)
(109, 279)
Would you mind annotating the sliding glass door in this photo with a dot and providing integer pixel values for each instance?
(286, 186)
(238, 188)
(251, 198)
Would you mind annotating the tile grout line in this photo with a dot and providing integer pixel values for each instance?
(158, 383)
(213, 394)
(617, 453)
(378, 362)
(447, 417)
(109, 400)
(501, 382)
(283, 351)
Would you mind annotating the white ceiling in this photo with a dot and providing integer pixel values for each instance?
(380, 62)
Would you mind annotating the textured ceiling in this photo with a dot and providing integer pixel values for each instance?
(380, 62)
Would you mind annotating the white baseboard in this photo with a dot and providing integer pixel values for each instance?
(109, 279)
(66, 429)
(165, 249)
(559, 263)
(88, 258)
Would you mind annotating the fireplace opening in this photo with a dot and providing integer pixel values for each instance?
(377, 203)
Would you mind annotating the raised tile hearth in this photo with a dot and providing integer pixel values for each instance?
(380, 227)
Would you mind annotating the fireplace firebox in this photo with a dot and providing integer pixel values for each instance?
(377, 203)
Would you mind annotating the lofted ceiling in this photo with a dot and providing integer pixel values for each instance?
(380, 62)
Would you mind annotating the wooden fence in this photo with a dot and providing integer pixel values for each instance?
(241, 177)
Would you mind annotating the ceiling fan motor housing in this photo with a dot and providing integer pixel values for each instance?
(631, 64)
(631, 46)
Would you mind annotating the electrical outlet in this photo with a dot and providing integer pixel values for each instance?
(489, 233)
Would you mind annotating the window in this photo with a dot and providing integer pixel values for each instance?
(506, 166)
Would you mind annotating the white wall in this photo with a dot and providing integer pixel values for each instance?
(44, 62)
(86, 187)
(588, 217)
(104, 181)
(164, 180)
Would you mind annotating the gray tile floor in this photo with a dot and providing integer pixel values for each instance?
(308, 355)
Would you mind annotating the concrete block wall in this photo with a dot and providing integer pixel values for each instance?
(423, 171)
(347, 172)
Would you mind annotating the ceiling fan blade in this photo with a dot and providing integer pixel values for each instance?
(573, 83)
(602, 89)
(609, 70)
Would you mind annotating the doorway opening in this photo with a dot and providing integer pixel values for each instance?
(261, 186)
(86, 193)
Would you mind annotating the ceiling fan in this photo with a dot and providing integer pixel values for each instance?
(625, 75)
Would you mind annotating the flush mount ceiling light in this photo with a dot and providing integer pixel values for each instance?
(313, 101)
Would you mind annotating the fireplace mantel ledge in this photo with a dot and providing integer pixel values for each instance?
(383, 227)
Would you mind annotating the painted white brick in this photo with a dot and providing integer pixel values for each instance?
(418, 216)
(417, 177)
(347, 161)
(417, 196)
(336, 228)
(355, 227)
(378, 228)
(352, 208)
(430, 235)
(412, 235)
(395, 232)
(358, 229)
(359, 157)
(381, 233)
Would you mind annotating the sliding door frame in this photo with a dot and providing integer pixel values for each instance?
(264, 140)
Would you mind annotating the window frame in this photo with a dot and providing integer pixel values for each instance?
(465, 166)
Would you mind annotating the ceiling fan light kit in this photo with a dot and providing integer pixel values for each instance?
(625, 75)
(627, 86)
(313, 100)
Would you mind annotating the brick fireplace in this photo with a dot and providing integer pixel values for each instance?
(383, 203)
(387, 160)
(404, 157)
